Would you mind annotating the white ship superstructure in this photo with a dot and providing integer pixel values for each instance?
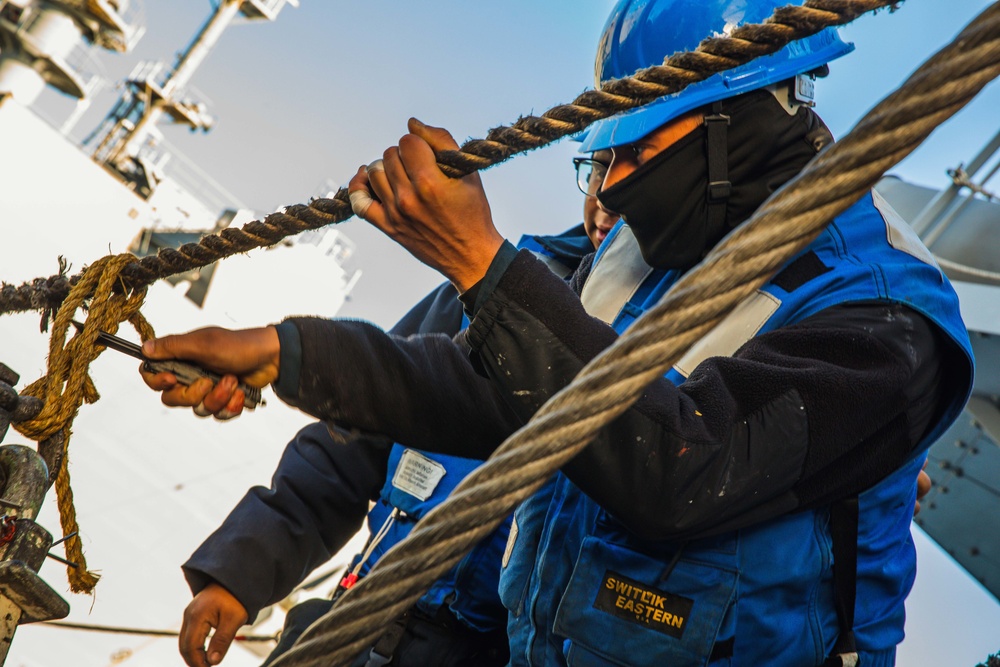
(44, 43)
(151, 482)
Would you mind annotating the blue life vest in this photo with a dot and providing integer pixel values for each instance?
(417, 481)
(561, 253)
(582, 590)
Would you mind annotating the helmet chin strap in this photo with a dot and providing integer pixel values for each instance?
(790, 94)
(719, 185)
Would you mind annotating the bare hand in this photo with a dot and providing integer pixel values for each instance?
(250, 355)
(444, 222)
(213, 608)
(923, 488)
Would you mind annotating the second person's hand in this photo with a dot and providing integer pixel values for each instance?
(214, 608)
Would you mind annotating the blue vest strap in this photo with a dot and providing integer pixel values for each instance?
(844, 516)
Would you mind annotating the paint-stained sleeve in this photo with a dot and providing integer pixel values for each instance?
(419, 390)
(797, 417)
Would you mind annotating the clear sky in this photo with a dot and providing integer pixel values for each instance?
(330, 85)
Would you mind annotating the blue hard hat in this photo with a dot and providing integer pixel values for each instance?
(641, 33)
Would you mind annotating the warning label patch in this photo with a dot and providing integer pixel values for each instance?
(417, 475)
(636, 602)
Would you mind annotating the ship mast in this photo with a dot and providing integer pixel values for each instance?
(153, 91)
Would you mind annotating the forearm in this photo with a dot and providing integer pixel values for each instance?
(419, 390)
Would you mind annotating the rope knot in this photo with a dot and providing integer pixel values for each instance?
(67, 383)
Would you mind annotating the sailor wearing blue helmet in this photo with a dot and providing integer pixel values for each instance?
(641, 34)
(702, 526)
(597, 573)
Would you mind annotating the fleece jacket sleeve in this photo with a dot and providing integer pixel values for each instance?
(420, 390)
(276, 536)
(796, 418)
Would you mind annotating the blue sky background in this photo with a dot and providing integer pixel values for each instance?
(330, 84)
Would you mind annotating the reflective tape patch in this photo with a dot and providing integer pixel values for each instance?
(615, 277)
(511, 539)
(732, 332)
(899, 234)
(644, 605)
(417, 475)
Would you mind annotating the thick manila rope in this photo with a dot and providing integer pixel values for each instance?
(613, 381)
(713, 55)
(66, 384)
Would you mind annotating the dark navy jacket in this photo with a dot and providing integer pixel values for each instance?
(321, 490)
(582, 589)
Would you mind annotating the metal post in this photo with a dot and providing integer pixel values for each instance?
(934, 211)
(187, 64)
(24, 479)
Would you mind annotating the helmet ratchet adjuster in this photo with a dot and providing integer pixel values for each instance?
(719, 186)
(803, 90)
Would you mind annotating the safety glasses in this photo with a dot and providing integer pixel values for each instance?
(590, 174)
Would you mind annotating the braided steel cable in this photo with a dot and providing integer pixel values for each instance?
(613, 381)
(679, 70)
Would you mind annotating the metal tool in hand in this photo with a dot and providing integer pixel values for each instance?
(186, 372)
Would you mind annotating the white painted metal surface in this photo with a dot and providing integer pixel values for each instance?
(150, 482)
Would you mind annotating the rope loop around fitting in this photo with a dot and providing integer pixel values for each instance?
(67, 384)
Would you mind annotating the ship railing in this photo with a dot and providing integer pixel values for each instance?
(55, 109)
(150, 70)
(335, 244)
(160, 73)
(940, 212)
(78, 61)
(84, 60)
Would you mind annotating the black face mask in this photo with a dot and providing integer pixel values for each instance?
(666, 200)
(664, 203)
